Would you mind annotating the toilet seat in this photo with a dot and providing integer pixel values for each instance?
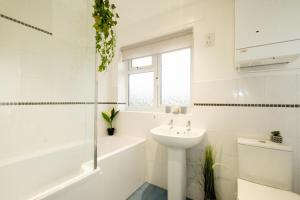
(252, 191)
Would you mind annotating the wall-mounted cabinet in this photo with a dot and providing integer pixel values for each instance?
(266, 32)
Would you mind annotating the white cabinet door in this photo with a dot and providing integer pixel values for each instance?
(259, 22)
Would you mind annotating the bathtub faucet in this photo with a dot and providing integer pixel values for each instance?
(171, 123)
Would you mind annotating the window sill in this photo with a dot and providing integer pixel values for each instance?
(157, 113)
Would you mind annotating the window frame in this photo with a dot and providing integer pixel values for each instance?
(156, 68)
(145, 69)
(131, 68)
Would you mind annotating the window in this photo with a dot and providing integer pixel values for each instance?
(157, 71)
(141, 89)
(175, 77)
(141, 62)
(158, 80)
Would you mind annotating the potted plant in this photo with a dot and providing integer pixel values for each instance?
(208, 174)
(109, 116)
(276, 137)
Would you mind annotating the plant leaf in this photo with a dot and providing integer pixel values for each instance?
(114, 115)
(106, 117)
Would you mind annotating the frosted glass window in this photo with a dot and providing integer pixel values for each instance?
(141, 62)
(141, 88)
(175, 77)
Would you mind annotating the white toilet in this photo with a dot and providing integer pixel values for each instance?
(265, 171)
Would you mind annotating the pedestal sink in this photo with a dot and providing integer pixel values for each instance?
(177, 139)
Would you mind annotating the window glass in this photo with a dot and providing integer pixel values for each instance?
(175, 77)
(141, 62)
(141, 89)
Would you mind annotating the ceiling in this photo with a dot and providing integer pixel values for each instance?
(132, 11)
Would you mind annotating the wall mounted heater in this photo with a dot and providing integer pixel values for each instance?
(268, 61)
(269, 54)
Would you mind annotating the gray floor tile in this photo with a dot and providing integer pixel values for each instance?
(149, 192)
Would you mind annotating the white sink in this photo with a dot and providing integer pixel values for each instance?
(177, 139)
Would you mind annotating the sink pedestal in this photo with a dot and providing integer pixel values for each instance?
(177, 139)
(176, 174)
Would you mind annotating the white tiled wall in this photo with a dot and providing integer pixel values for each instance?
(224, 125)
(215, 80)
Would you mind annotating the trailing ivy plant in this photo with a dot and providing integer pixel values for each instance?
(105, 22)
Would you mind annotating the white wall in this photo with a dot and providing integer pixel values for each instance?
(215, 80)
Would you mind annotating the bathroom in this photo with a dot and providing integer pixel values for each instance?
(234, 86)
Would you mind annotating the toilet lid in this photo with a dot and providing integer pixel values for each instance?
(250, 191)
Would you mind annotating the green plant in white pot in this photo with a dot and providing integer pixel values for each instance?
(109, 116)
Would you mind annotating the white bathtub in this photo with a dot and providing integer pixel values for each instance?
(121, 162)
(120, 172)
(25, 176)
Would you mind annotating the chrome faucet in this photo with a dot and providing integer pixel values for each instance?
(171, 123)
(188, 126)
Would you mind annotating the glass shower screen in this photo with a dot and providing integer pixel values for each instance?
(47, 92)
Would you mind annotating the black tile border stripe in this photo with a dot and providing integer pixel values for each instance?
(25, 24)
(112, 103)
(247, 105)
(58, 103)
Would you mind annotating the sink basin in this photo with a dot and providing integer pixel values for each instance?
(177, 137)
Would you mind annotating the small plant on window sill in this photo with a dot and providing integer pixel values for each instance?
(105, 22)
(109, 116)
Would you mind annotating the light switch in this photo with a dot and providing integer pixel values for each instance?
(210, 40)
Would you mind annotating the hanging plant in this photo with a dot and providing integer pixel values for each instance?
(105, 22)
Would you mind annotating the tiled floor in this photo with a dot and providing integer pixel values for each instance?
(149, 192)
